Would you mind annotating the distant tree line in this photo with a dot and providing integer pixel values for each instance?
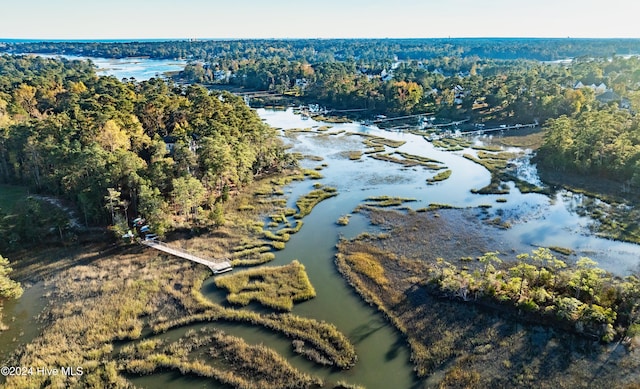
(327, 50)
(479, 78)
(483, 90)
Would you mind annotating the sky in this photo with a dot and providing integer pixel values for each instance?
(185, 19)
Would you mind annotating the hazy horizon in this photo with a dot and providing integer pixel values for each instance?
(329, 19)
(161, 39)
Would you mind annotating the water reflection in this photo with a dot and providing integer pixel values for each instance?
(536, 220)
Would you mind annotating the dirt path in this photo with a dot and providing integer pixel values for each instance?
(74, 221)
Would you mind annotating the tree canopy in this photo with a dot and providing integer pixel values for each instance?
(66, 132)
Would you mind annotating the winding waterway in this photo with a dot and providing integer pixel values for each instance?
(383, 355)
(536, 219)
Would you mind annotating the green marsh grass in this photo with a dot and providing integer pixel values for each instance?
(343, 220)
(234, 362)
(307, 202)
(441, 176)
(274, 287)
(355, 155)
(103, 296)
(387, 201)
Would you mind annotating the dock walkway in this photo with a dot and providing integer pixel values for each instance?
(216, 267)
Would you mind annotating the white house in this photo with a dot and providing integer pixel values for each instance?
(600, 88)
(302, 83)
(386, 76)
(222, 75)
(597, 89)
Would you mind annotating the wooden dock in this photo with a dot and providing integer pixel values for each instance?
(501, 128)
(383, 120)
(449, 134)
(217, 267)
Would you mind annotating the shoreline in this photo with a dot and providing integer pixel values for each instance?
(466, 343)
(131, 290)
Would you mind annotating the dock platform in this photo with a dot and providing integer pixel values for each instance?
(217, 266)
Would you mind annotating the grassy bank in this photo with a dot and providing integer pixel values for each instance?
(441, 176)
(497, 164)
(230, 361)
(94, 305)
(452, 144)
(274, 287)
(409, 160)
(461, 342)
(377, 143)
(324, 343)
(307, 202)
(102, 296)
(386, 201)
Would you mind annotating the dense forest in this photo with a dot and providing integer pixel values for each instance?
(600, 142)
(116, 150)
(483, 79)
(511, 91)
(329, 50)
(119, 148)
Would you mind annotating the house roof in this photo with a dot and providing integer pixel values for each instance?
(608, 96)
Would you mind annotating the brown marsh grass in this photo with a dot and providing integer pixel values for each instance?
(462, 344)
(100, 295)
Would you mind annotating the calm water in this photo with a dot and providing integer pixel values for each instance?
(141, 69)
(383, 356)
(537, 220)
(21, 318)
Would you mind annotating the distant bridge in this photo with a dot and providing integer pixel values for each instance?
(217, 267)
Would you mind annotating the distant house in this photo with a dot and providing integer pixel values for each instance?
(222, 75)
(170, 142)
(459, 94)
(608, 97)
(597, 89)
(302, 83)
(386, 76)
